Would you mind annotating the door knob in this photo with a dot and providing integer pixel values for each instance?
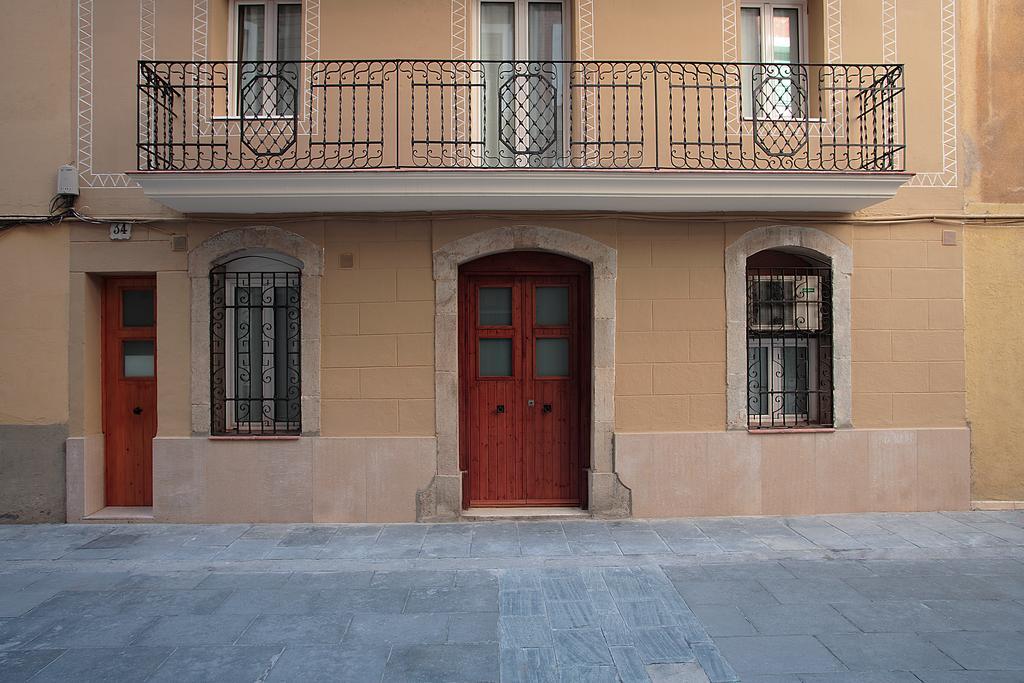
(547, 408)
(501, 408)
(530, 402)
(137, 410)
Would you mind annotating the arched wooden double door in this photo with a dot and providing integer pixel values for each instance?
(524, 380)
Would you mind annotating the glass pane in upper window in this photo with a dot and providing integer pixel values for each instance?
(289, 49)
(251, 32)
(495, 357)
(552, 357)
(138, 358)
(785, 35)
(137, 308)
(552, 305)
(750, 51)
(545, 31)
(497, 27)
(495, 306)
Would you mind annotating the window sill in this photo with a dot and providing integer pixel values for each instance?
(256, 437)
(793, 430)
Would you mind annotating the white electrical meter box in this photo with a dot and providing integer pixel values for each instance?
(67, 180)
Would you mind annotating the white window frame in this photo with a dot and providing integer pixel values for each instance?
(521, 52)
(269, 52)
(767, 45)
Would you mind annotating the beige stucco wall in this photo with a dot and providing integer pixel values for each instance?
(34, 325)
(995, 317)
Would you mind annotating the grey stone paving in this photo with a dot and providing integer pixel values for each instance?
(933, 598)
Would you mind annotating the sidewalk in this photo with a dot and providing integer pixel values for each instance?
(931, 597)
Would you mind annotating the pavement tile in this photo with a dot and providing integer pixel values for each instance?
(588, 674)
(817, 591)
(330, 663)
(777, 655)
(525, 632)
(364, 600)
(676, 673)
(640, 542)
(17, 633)
(980, 651)
(724, 620)
(630, 666)
(572, 614)
(714, 665)
(412, 578)
(979, 615)
(245, 581)
(78, 581)
(725, 593)
(89, 631)
(788, 620)
(829, 569)
(521, 603)
(21, 665)
(271, 601)
(396, 629)
(102, 664)
(476, 663)
(893, 616)
(529, 665)
(473, 628)
(464, 599)
(195, 630)
(17, 603)
(563, 588)
(170, 602)
(648, 614)
(328, 580)
(179, 580)
(291, 629)
(969, 676)
(861, 677)
(886, 652)
(662, 645)
(729, 571)
(220, 664)
(927, 587)
(581, 646)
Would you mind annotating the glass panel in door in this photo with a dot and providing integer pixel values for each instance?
(785, 100)
(251, 35)
(289, 50)
(545, 97)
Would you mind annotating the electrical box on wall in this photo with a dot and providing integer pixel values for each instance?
(67, 180)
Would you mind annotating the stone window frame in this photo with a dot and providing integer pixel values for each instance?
(607, 497)
(840, 255)
(236, 242)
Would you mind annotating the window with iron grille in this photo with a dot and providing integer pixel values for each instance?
(255, 341)
(789, 341)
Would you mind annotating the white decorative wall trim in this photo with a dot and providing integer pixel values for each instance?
(947, 177)
(585, 30)
(200, 28)
(774, 237)
(834, 30)
(147, 29)
(889, 51)
(460, 29)
(84, 117)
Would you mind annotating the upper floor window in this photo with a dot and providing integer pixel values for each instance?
(774, 35)
(268, 43)
(523, 116)
(255, 340)
(789, 340)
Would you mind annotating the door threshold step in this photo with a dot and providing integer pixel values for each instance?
(523, 514)
(121, 514)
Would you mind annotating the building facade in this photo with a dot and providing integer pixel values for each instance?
(353, 261)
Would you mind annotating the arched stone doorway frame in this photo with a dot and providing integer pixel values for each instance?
(607, 496)
(840, 255)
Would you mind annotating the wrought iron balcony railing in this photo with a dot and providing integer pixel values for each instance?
(398, 114)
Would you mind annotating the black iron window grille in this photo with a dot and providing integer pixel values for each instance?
(789, 345)
(255, 349)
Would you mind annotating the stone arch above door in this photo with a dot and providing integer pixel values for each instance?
(443, 498)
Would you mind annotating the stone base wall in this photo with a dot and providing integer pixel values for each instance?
(197, 479)
(740, 473)
(32, 473)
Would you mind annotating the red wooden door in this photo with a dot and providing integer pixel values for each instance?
(129, 389)
(524, 375)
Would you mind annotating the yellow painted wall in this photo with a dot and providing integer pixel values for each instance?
(995, 321)
(34, 325)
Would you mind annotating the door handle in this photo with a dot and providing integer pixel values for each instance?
(547, 408)
(137, 410)
(501, 408)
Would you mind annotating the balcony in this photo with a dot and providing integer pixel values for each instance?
(265, 137)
